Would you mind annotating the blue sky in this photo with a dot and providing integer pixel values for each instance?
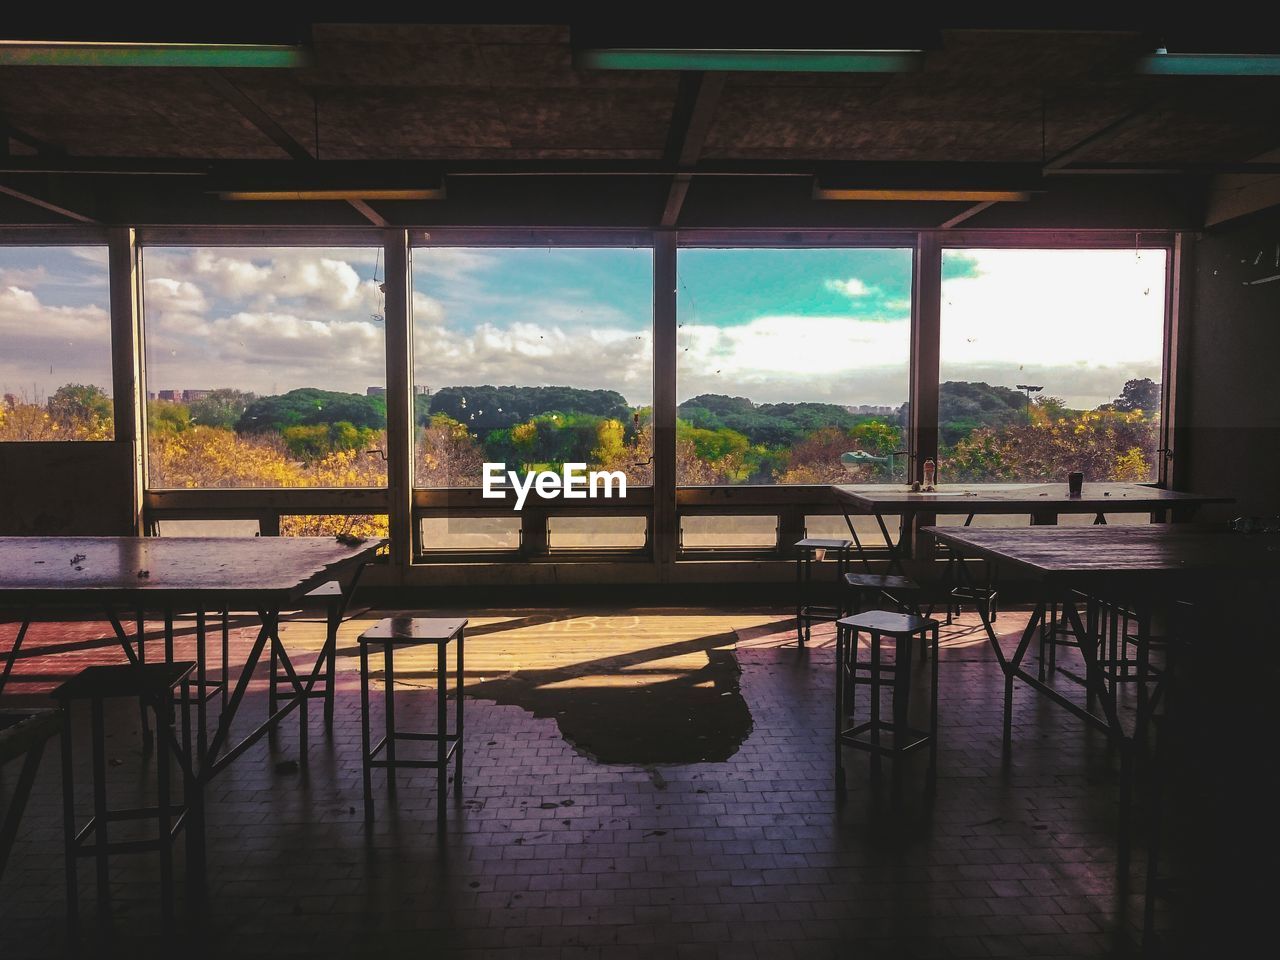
(774, 325)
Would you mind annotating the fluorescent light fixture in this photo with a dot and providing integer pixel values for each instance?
(778, 61)
(41, 53)
(436, 193)
(1210, 65)
(928, 195)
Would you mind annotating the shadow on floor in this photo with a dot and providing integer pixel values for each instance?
(635, 709)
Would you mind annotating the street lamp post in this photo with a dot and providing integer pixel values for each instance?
(1029, 389)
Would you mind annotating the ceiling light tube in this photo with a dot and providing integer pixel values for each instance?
(747, 60)
(342, 195)
(1210, 65)
(928, 195)
(42, 53)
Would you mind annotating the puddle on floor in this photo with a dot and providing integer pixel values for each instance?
(682, 709)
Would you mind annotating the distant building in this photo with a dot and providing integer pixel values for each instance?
(375, 391)
(189, 395)
(170, 396)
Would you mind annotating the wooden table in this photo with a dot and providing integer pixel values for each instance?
(1148, 567)
(1044, 502)
(45, 576)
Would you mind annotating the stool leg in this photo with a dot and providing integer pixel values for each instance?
(272, 695)
(799, 602)
(69, 826)
(901, 702)
(331, 647)
(459, 684)
(442, 735)
(841, 633)
(162, 817)
(226, 655)
(933, 716)
(875, 706)
(390, 681)
(100, 831)
(366, 772)
(141, 624)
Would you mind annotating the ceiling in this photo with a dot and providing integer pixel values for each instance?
(519, 134)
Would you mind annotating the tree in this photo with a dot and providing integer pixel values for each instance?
(1141, 394)
(78, 403)
(220, 408)
(308, 406)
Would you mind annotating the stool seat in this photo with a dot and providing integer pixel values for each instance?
(410, 631)
(818, 543)
(880, 581)
(123, 680)
(888, 623)
(329, 590)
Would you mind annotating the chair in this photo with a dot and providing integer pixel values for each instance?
(389, 634)
(810, 605)
(876, 672)
(154, 685)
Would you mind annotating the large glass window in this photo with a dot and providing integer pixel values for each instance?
(266, 367)
(793, 365)
(532, 358)
(55, 344)
(1050, 363)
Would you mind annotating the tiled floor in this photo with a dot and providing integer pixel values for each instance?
(652, 783)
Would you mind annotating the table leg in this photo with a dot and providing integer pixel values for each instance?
(460, 684)
(69, 827)
(13, 651)
(442, 738)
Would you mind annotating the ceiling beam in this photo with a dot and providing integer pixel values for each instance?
(44, 204)
(964, 215)
(268, 127)
(696, 103)
(1119, 125)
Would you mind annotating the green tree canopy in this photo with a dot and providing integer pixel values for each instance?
(80, 403)
(309, 406)
(221, 408)
(485, 408)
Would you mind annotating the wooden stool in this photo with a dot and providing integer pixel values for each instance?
(413, 632)
(153, 684)
(808, 552)
(852, 672)
(318, 685)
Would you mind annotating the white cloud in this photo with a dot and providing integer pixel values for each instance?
(1080, 322)
(851, 287)
(832, 359)
(46, 346)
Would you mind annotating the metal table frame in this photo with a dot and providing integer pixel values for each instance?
(213, 752)
(1044, 502)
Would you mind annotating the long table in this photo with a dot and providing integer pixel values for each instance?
(49, 577)
(1151, 568)
(1044, 502)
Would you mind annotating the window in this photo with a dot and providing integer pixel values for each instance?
(793, 365)
(470, 534)
(1050, 362)
(266, 367)
(533, 358)
(55, 327)
(597, 533)
(704, 532)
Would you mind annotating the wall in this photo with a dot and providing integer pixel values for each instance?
(1233, 394)
(66, 489)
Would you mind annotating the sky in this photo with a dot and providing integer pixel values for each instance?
(774, 325)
